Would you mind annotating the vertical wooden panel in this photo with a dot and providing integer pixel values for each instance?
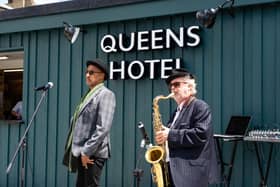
(257, 76)
(129, 123)
(32, 64)
(276, 171)
(5, 159)
(159, 86)
(40, 122)
(16, 40)
(63, 87)
(238, 87)
(210, 72)
(143, 103)
(268, 64)
(52, 160)
(269, 79)
(248, 83)
(13, 139)
(5, 41)
(117, 128)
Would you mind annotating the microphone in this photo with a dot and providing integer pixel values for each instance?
(45, 87)
(144, 133)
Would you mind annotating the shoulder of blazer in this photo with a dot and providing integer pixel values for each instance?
(201, 103)
(96, 95)
(188, 104)
(200, 106)
(107, 90)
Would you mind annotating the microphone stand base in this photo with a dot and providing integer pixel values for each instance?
(138, 173)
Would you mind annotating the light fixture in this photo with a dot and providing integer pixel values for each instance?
(6, 7)
(12, 70)
(207, 17)
(4, 57)
(71, 32)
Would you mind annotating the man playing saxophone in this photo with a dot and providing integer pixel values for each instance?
(189, 134)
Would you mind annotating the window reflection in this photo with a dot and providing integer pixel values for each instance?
(11, 83)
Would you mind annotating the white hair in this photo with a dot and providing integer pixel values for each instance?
(192, 84)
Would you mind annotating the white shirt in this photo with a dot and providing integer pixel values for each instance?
(179, 108)
(18, 108)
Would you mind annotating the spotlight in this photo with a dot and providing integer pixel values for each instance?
(71, 32)
(207, 17)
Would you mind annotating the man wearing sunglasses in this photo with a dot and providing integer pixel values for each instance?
(88, 143)
(189, 133)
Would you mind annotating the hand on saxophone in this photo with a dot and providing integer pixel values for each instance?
(162, 135)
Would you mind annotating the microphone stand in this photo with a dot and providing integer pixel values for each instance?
(23, 144)
(137, 172)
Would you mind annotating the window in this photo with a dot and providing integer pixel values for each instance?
(11, 82)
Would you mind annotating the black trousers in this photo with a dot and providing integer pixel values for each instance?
(171, 180)
(90, 177)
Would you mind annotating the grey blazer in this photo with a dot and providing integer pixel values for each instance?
(91, 134)
(193, 161)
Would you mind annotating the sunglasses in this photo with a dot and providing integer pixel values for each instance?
(176, 84)
(92, 72)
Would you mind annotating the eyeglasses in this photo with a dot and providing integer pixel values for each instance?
(92, 72)
(176, 84)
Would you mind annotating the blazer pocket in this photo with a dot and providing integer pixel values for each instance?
(88, 114)
(184, 125)
(198, 162)
(90, 107)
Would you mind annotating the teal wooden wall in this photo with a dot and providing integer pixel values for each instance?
(237, 67)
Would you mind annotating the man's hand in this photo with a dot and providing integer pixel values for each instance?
(161, 136)
(86, 160)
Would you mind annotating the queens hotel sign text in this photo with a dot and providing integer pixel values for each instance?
(159, 39)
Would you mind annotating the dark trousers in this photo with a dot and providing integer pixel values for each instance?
(170, 175)
(90, 177)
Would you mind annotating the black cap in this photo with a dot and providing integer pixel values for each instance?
(102, 66)
(176, 73)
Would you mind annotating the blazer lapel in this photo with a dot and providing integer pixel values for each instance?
(89, 99)
(183, 110)
(171, 119)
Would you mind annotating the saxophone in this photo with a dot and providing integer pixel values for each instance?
(156, 154)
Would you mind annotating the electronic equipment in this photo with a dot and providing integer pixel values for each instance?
(269, 135)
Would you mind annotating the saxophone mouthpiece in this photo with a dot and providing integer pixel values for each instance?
(171, 95)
